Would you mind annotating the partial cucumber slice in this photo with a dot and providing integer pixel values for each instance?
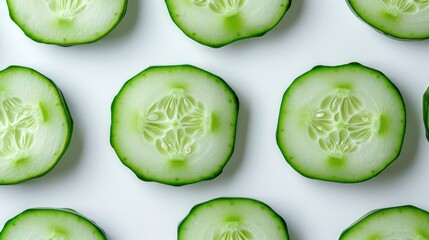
(174, 124)
(342, 124)
(66, 22)
(232, 219)
(426, 111)
(50, 224)
(35, 125)
(403, 19)
(217, 23)
(402, 223)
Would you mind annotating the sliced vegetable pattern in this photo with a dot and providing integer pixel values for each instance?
(67, 22)
(51, 224)
(335, 126)
(174, 124)
(402, 222)
(217, 23)
(402, 19)
(35, 125)
(233, 219)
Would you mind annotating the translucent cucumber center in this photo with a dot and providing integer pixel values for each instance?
(174, 123)
(227, 8)
(398, 7)
(67, 10)
(342, 124)
(58, 235)
(17, 125)
(233, 231)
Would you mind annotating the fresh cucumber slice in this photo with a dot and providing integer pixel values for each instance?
(342, 124)
(402, 19)
(232, 219)
(216, 23)
(402, 223)
(174, 124)
(35, 125)
(426, 111)
(66, 22)
(50, 224)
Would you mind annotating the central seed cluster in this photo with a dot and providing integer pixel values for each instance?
(225, 7)
(233, 231)
(396, 7)
(17, 125)
(57, 236)
(341, 124)
(67, 9)
(173, 123)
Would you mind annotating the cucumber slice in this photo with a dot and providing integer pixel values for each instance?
(50, 224)
(35, 125)
(216, 23)
(232, 219)
(402, 223)
(66, 22)
(402, 19)
(426, 112)
(174, 124)
(344, 123)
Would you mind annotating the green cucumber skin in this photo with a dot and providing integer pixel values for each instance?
(285, 152)
(40, 40)
(364, 218)
(191, 212)
(172, 183)
(426, 112)
(68, 116)
(170, 11)
(390, 35)
(100, 231)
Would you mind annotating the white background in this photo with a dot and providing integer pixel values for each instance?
(92, 180)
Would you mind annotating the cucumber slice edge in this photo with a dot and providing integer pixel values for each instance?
(67, 116)
(373, 214)
(219, 45)
(426, 112)
(69, 43)
(200, 206)
(70, 212)
(279, 130)
(381, 31)
(173, 182)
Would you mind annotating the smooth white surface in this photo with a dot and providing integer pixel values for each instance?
(91, 179)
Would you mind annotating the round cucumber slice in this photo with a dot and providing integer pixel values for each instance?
(174, 124)
(66, 22)
(402, 19)
(35, 125)
(426, 112)
(403, 222)
(344, 123)
(232, 219)
(216, 23)
(50, 224)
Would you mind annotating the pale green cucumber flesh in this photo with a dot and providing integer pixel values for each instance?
(233, 219)
(426, 112)
(403, 222)
(401, 19)
(35, 125)
(67, 22)
(216, 23)
(50, 224)
(343, 124)
(174, 124)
